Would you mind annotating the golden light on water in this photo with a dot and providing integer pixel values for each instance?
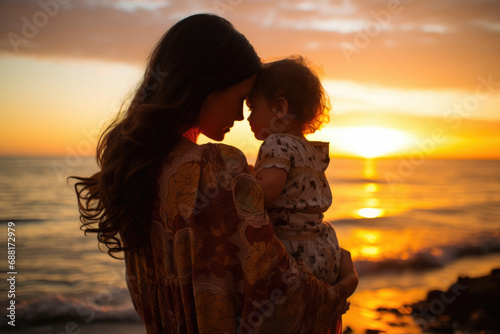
(364, 304)
(371, 209)
(369, 170)
(375, 245)
(370, 251)
(370, 212)
(371, 187)
(369, 248)
(369, 236)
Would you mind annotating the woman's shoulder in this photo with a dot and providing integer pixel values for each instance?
(209, 155)
(228, 151)
(234, 159)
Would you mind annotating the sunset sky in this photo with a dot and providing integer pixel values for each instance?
(414, 77)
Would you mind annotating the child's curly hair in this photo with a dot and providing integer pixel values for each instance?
(294, 80)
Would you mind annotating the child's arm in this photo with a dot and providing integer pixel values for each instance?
(271, 180)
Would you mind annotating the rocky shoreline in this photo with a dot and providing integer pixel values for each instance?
(470, 305)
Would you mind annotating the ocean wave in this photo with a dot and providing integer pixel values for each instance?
(485, 206)
(58, 308)
(386, 221)
(437, 257)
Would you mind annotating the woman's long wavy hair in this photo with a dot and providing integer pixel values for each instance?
(199, 55)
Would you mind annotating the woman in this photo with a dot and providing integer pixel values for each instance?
(200, 252)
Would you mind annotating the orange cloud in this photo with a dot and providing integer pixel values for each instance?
(418, 44)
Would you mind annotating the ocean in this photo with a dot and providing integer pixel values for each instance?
(411, 226)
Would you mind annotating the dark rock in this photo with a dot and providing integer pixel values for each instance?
(390, 310)
(374, 331)
(470, 303)
(348, 330)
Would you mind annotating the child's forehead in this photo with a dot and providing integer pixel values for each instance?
(257, 98)
(252, 98)
(255, 95)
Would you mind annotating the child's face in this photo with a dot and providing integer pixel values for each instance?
(262, 119)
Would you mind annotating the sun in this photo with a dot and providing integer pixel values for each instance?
(365, 141)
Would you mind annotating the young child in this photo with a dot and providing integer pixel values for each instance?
(286, 103)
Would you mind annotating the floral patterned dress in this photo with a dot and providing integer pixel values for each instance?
(213, 263)
(297, 214)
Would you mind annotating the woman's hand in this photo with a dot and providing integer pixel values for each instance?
(348, 276)
(346, 307)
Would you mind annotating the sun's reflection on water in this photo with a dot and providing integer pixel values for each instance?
(369, 170)
(382, 310)
(371, 187)
(368, 244)
(371, 201)
(369, 213)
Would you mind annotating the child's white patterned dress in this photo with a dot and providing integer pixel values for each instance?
(298, 212)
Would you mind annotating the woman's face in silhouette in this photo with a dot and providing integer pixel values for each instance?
(221, 109)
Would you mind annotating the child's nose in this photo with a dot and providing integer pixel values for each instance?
(239, 115)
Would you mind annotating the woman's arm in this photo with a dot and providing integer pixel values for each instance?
(348, 277)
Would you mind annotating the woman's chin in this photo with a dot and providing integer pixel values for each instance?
(219, 136)
(259, 136)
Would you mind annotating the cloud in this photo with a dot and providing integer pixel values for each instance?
(417, 44)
